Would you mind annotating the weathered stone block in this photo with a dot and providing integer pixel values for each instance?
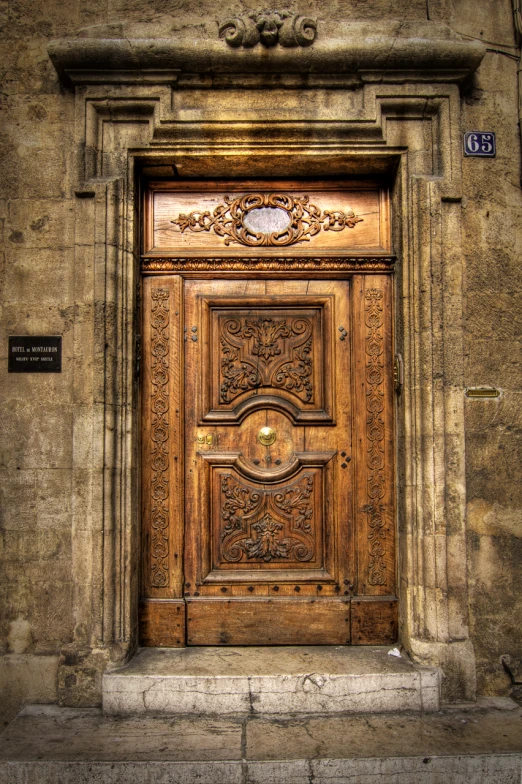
(24, 157)
(37, 320)
(53, 497)
(495, 363)
(43, 544)
(80, 673)
(37, 223)
(18, 501)
(491, 456)
(26, 678)
(38, 436)
(31, 276)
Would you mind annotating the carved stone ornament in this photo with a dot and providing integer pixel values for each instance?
(268, 28)
(267, 219)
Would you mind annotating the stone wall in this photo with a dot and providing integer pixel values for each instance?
(40, 287)
(492, 239)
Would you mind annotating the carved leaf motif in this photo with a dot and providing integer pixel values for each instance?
(296, 499)
(236, 377)
(159, 550)
(258, 524)
(240, 500)
(326, 264)
(264, 340)
(295, 376)
(266, 333)
(305, 220)
(265, 544)
(375, 437)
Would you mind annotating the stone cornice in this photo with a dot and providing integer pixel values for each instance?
(365, 53)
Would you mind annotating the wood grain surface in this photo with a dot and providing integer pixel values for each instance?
(165, 203)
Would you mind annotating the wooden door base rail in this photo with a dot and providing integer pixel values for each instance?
(162, 623)
(232, 621)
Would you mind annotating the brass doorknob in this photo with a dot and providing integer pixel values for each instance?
(266, 436)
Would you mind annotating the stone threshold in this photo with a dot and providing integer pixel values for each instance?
(481, 744)
(274, 681)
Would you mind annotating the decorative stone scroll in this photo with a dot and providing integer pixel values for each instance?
(268, 28)
(267, 219)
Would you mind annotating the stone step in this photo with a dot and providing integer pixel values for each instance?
(474, 745)
(269, 681)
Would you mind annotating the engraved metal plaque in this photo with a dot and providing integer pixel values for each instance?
(35, 354)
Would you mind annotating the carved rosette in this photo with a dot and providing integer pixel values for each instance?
(268, 28)
(159, 551)
(375, 437)
(262, 526)
(251, 351)
(295, 218)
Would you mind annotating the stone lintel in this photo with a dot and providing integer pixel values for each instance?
(365, 52)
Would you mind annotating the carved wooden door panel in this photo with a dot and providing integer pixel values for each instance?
(287, 487)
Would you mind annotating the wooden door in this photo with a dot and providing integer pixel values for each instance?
(270, 535)
(268, 494)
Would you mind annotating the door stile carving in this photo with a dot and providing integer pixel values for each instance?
(374, 614)
(375, 436)
(162, 612)
(374, 402)
(159, 435)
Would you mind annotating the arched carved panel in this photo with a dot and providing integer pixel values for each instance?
(259, 527)
(267, 355)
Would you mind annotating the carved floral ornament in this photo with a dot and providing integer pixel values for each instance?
(268, 28)
(269, 219)
(268, 339)
(280, 523)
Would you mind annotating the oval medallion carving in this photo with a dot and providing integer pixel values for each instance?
(267, 220)
(283, 219)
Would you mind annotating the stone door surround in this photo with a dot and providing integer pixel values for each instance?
(376, 100)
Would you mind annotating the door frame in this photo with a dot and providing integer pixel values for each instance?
(387, 137)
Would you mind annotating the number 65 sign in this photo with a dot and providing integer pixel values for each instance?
(479, 144)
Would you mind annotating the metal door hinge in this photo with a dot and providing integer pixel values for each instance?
(398, 373)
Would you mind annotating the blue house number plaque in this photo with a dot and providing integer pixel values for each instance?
(480, 144)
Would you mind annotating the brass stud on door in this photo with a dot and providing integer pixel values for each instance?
(266, 436)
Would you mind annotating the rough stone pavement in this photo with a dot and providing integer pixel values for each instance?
(466, 744)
